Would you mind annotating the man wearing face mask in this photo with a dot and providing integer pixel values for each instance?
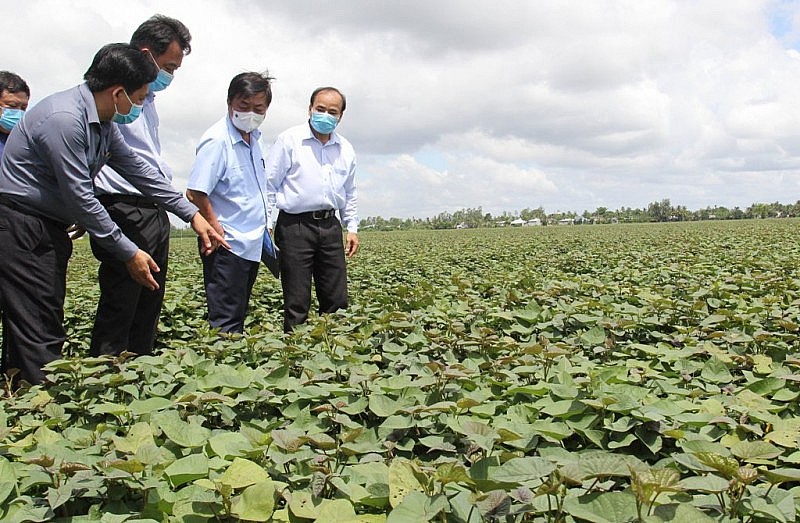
(228, 185)
(311, 176)
(14, 97)
(46, 183)
(127, 314)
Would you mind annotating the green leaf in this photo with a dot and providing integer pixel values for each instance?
(453, 472)
(228, 445)
(551, 431)
(141, 407)
(303, 505)
(725, 465)
(287, 440)
(9, 479)
(681, 513)
(526, 471)
(114, 409)
(494, 505)
(23, 510)
(755, 451)
(403, 479)
(564, 409)
(437, 443)
(594, 336)
(187, 435)
(243, 473)
(607, 507)
(189, 468)
(707, 483)
(607, 465)
(716, 371)
(778, 506)
(418, 508)
(256, 502)
(138, 435)
(226, 377)
(713, 319)
(480, 433)
(383, 406)
(699, 445)
(781, 475)
(131, 466)
(58, 496)
(336, 511)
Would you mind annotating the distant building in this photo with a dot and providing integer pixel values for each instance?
(518, 223)
(534, 222)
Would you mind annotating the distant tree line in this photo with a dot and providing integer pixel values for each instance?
(662, 211)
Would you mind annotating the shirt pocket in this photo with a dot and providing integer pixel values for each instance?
(234, 180)
(338, 176)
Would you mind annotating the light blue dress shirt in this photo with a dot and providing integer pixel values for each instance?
(142, 136)
(231, 173)
(305, 175)
(55, 151)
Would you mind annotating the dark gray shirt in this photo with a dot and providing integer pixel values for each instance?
(53, 155)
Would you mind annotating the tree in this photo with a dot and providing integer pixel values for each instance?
(660, 211)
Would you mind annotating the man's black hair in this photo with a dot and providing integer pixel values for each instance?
(13, 83)
(323, 89)
(158, 32)
(250, 84)
(121, 64)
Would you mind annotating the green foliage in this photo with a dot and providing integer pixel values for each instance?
(631, 373)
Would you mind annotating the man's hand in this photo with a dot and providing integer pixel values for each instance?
(141, 267)
(351, 244)
(75, 231)
(210, 237)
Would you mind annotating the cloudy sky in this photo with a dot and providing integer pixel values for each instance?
(502, 104)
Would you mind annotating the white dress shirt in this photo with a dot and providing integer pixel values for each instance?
(303, 175)
(142, 136)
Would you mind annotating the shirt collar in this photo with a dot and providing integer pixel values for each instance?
(310, 136)
(88, 100)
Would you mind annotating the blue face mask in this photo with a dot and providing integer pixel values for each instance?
(132, 115)
(162, 81)
(10, 118)
(323, 123)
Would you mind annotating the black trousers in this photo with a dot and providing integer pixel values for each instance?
(127, 313)
(229, 281)
(310, 248)
(34, 252)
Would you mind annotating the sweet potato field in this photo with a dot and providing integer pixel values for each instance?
(616, 373)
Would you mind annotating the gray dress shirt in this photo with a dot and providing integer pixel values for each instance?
(53, 155)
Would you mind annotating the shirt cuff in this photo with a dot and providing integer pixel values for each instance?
(126, 249)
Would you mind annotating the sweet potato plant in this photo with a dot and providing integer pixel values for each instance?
(615, 373)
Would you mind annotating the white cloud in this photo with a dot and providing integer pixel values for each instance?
(568, 105)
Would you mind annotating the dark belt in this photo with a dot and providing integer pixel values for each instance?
(315, 215)
(128, 199)
(5, 201)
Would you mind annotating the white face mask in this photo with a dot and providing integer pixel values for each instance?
(247, 122)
